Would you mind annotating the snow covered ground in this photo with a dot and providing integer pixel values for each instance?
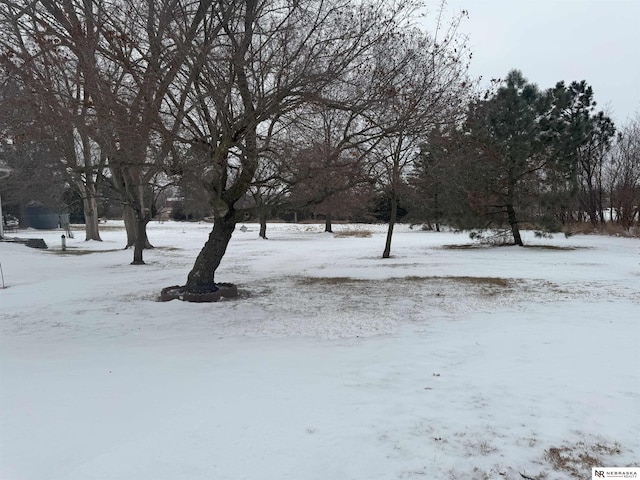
(440, 363)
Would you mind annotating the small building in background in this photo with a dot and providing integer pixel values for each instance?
(36, 215)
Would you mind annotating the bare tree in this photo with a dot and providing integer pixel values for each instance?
(424, 86)
(326, 181)
(268, 191)
(268, 59)
(50, 93)
(622, 173)
(129, 55)
(330, 140)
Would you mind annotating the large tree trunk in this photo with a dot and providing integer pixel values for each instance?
(90, 207)
(392, 221)
(140, 241)
(327, 223)
(201, 279)
(132, 227)
(129, 217)
(513, 222)
(263, 224)
(395, 182)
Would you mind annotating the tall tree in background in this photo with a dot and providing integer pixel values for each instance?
(330, 142)
(622, 173)
(423, 86)
(430, 180)
(579, 139)
(127, 56)
(144, 46)
(44, 84)
(503, 153)
(327, 181)
(522, 154)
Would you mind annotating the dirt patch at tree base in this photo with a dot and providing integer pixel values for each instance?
(178, 292)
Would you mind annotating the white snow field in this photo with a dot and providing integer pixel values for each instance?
(332, 364)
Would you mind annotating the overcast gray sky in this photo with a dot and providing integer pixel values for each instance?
(552, 40)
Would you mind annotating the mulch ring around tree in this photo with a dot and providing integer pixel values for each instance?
(226, 290)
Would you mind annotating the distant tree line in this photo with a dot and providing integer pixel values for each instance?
(522, 156)
(255, 109)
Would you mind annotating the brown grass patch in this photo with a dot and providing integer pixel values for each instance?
(328, 280)
(476, 246)
(101, 227)
(535, 286)
(465, 246)
(577, 460)
(556, 247)
(481, 281)
(353, 233)
(491, 281)
(73, 251)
